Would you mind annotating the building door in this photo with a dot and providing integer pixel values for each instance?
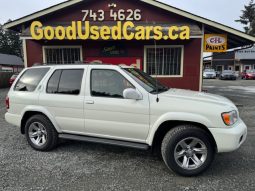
(237, 68)
(219, 68)
(230, 68)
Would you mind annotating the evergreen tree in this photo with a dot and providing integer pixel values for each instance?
(248, 18)
(10, 42)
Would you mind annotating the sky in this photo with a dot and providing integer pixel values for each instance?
(223, 11)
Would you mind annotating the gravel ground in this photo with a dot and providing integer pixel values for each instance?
(87, 166)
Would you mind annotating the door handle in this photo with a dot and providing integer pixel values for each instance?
(89, 102)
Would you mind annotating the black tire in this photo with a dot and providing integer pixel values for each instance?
(177, 135)
(51, 139)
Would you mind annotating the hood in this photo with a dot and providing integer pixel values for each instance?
(227, 74)
(212, 73)
(197, 96)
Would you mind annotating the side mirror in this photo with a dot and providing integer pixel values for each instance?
(131, 93)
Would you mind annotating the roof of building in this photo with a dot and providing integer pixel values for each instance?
(11, 60)
(237, 38)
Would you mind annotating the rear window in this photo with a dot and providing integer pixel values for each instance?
(30, 79)
(65, 82)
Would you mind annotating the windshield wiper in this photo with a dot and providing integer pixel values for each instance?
(159, 90)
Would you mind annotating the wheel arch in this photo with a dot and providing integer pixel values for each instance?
(166, 126)
(28, 113)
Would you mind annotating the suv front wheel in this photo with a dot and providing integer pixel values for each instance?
(187, 150)
(40, 133)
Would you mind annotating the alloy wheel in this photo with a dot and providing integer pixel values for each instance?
(190, 153)
(37, 134)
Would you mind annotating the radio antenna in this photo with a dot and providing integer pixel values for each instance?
(156, 69)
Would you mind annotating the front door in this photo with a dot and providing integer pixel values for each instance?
(108, 114)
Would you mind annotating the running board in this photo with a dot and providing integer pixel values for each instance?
(139, 146)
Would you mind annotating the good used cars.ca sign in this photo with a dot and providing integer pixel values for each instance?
(215, 43)
(125, 26)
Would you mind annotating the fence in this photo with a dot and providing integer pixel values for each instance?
(4, 79)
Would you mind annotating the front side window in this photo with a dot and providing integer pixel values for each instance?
(108, 83)
(67, 55)
(30, 79)
(164, 61)
(65, 82)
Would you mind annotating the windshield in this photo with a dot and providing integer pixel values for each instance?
(227, 72)
(209, 70)
(250, 71)
(145, 80)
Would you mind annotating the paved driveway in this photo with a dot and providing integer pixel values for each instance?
(87, 166)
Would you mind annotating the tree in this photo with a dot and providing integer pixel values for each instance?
(248, 18)
(10, 42)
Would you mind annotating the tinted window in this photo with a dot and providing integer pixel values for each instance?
(145, 80)
(30, 79)
(108, 83)
(53, 82)
(65, 82)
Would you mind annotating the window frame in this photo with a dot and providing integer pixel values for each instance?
(90, 84)
(165, 46)
(60, 47)
(53, 72)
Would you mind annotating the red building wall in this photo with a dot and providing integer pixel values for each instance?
(135, 49)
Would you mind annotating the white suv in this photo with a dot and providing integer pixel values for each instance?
(123, 106)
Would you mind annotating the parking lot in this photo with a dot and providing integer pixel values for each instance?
(86, 166)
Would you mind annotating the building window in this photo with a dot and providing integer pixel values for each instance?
(62, 55)
(164, 60)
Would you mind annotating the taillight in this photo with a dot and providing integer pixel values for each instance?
(7, 102)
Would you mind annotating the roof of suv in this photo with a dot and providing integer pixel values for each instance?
(81, 65)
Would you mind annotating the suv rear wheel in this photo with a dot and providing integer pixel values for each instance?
(187, 150)
(40, 133)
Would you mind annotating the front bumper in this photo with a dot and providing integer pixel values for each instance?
(231, 138)
(209, 77)
(228, 77)
(251, 77)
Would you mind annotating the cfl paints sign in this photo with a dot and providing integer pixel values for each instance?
(215, 43)
(124, 28)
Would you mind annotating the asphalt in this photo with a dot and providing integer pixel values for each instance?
(86, 166)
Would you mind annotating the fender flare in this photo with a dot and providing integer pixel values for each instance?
(176, 116)
(44, 111)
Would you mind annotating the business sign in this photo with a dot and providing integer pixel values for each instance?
(246, 54)
(113, 50)
(124, 27)
(215, 43)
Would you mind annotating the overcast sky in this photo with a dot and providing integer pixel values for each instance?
(223, 11)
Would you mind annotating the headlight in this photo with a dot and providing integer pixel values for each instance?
(230, 118)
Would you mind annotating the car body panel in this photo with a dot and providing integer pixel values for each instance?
(124, 119)
(209, 74)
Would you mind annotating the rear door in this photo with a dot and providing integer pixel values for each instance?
(63, 97)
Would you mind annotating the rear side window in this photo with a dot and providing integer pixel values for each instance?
(30, 79)
(65, 82)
